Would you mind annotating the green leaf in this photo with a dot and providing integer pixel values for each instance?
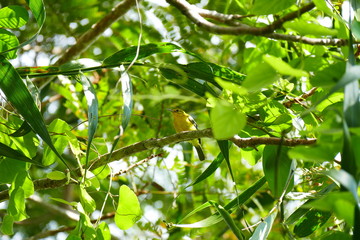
(23, 102)
(342, 204)
(56, 175)
(210, 169)
(128, 54)
(23, 130)
(10, 168)
(103, 232)
(318, 153)
(86, 200)
(128, 211)
(13, 16)
(38, 10)
(260, 76)
(8, 41)
(305, 28)
(15, 154)
(93, 110)
(265, 7)
(7, 225)
(346, 180)
(283, 68)
(228, 219)
(277, 168)
(226, 121)
(216, 218)
(310, 222)
(262, 231)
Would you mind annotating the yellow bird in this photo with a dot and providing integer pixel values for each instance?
(184, 122)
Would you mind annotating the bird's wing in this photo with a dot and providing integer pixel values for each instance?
(193, 122)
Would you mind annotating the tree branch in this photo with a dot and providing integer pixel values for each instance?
(96, 30)
(41, 184)
(196, 15)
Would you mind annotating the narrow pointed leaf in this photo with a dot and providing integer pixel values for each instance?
(262, 231)
(240, 199)
(15, 154)
(23, 102)
(22, 130)
(209, 170)
(93, 110)
(127, 94)
(128, 54)
(229, 221)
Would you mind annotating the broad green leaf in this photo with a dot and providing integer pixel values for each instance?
(10, 168)
(84, 228)
(16, 207)
(310, 222)
(8, 41)
(305, 28)
(38, 10)
(283, 68)
(23, 102)
(329, 75)
(56, 175)
(13, 16)
(262, 231)
(15, 154)
(318, 153)
(277, 168)
(216, 218)
(346, 180)
(7, 225)
(342, 204)
(226, 121)
(86, 200)
(231, 86)
(265, 7)
(260, 76)
(228, 219)
(103, 232)
(128, 211)
(60, 141)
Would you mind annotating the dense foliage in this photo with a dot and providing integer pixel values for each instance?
(88, 149)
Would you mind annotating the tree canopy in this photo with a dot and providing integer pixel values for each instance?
(87, 144)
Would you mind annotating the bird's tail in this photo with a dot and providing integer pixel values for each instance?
(200, 152)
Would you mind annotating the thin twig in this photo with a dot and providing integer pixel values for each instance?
(197, 15)
(301, 98)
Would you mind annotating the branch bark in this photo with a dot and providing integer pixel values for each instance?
(41, 184)
(197, 16)
(96, 30)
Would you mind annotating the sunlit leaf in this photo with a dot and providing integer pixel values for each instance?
(128, 211)
(13, 16)
(226, 121)
(263, 230)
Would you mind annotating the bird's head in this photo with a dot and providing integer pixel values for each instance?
(177, 112)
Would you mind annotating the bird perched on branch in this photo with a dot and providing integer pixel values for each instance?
(184, 122)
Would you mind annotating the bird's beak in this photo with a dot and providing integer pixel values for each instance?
(169, 109)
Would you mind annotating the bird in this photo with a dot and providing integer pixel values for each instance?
(184, 122)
